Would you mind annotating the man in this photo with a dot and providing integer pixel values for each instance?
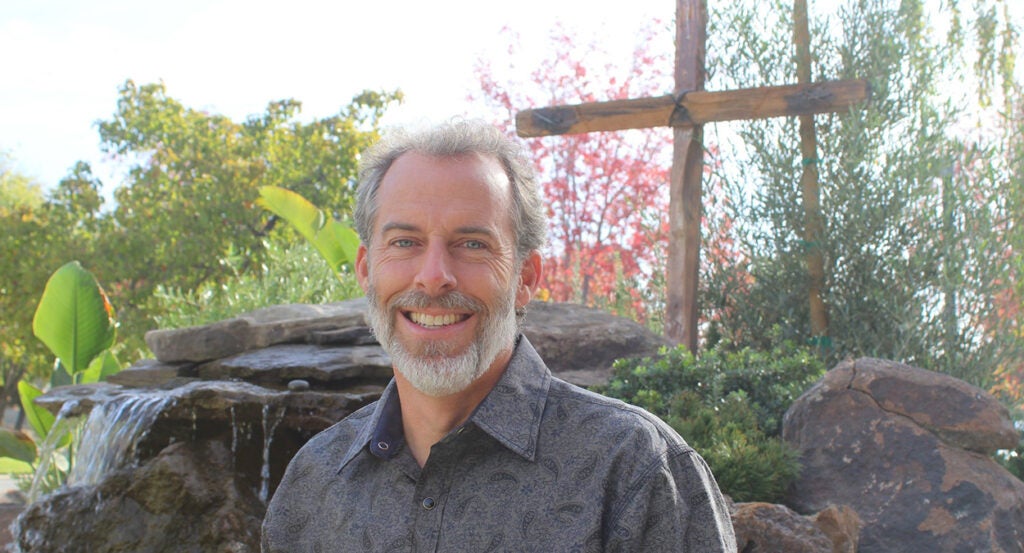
(474, 446)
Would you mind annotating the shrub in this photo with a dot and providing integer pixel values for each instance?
(292, 273)
(729, 406)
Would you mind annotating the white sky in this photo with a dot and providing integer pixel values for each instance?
(63, 60)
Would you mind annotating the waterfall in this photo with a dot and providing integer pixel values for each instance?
(270, 422)
(110, 434)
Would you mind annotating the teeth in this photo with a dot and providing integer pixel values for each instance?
(423, 319)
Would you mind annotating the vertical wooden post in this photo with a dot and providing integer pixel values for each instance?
(814, 228)
(685, 206)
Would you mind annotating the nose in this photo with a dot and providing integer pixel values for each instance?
(435, 275)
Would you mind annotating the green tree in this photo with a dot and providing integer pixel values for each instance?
(193, 180)
(917, 222)
(16, 189)
(39, 237)
(20, 201)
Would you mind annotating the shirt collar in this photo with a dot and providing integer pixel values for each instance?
(386, 415)
(511, 413)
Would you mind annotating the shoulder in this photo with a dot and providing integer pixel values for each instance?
(570, 405)
(625, 440)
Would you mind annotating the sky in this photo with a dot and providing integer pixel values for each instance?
(64, 60)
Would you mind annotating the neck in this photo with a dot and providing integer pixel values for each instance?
(426, 419)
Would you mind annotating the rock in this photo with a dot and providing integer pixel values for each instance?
(182, 501)
(150, 373)
(259, 425)
(958, 413)
(580, 344)
(330, 344)
(328, 366)
(280, 324)
(842, 527)
(901, 445)
(764, 527)
(8, 514)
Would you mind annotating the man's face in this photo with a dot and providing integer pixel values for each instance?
(440, 270)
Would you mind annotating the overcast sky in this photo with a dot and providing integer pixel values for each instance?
(65, 59)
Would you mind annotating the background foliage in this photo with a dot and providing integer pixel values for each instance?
(185, 217)
(729, 405)
(919, 190)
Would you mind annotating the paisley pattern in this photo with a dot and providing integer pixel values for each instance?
(541, 466)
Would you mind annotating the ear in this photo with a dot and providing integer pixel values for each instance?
(529, 279)
(362, 268)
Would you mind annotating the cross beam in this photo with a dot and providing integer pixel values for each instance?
(693, 108)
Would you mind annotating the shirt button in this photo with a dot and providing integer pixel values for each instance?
(428, 503)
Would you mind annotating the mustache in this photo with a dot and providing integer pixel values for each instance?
(416, 299)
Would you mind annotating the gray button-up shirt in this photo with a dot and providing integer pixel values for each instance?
(540, 466)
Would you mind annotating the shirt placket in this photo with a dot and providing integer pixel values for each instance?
(434, 490)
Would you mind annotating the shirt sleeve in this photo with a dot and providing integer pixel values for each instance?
(675, 507)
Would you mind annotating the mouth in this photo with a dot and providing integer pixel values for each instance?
(427, 320)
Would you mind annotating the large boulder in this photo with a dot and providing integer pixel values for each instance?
(185, 500)
(908, 449)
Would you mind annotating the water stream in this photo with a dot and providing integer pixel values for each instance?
(111, 432)
(270, 422)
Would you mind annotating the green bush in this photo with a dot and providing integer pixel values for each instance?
(729, 406)
(292, 273)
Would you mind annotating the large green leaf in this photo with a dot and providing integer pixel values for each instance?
(39, 418)
(17, 445)
(74, 318)
(337, 243)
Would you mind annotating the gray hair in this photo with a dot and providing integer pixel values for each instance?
(453, 139)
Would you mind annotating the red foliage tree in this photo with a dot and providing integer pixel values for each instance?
(606, 192)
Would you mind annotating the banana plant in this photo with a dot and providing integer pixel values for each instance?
(336, 242)
(75, 320)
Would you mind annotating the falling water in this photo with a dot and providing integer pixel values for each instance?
(111, 433)
(270, 422)
(234, 438)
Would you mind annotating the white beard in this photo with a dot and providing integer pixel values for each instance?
(436, 370)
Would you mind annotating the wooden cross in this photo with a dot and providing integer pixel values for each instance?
(686, 110)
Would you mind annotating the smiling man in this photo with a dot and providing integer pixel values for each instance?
(474, 446)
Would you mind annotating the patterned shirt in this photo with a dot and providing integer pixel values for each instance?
(540, 466)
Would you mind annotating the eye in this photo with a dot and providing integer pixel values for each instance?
(402, 243)
(475, 245)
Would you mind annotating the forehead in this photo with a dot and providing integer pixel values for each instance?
(423, 187)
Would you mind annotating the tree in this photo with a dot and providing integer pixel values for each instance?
(918, 237)
(605, 192)
(16, 189)
(193, 179)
